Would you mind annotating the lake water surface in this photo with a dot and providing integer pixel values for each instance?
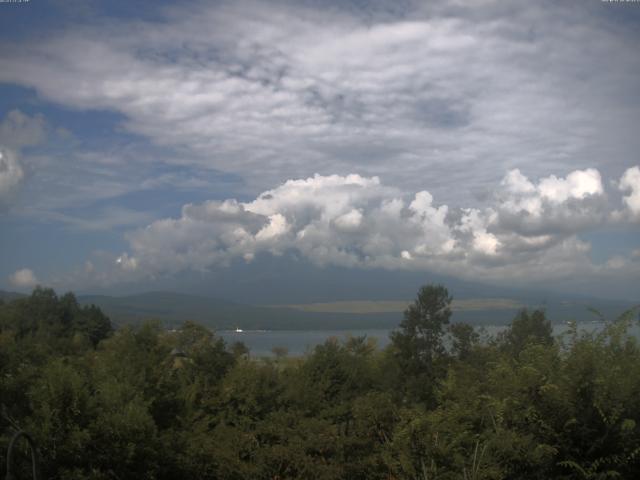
(299, 342)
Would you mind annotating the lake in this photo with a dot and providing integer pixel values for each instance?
(298, 342)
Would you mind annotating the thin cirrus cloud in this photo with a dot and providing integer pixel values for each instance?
(17, 130)
(358, 221)
(11, 177)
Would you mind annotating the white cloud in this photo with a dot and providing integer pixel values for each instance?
(475, 222)
(579, 185)
(11, 176)
(445, 96)
(276, 227)
(23, 278)
(553, 205)
(516, 183)
(630, 182)
(126, 263)
(350, 221)
(357, 221)
(525, 197)
(271, 90)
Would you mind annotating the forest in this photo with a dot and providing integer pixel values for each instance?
(440, 402)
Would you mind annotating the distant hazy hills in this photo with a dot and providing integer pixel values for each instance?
(174, 308)
(8, 296)
(399, 306)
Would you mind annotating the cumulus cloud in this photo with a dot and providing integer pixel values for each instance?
(360, 222)
(552, 205)
(23, 278)
(630, 184)
(11, 176)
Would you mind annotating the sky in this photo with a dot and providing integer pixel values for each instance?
(156, 144)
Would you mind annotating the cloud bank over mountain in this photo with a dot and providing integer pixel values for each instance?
(528, 226)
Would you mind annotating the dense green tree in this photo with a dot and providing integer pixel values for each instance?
(146, 403)
(54, 319)
(527, 328)
(418, 344)
(93, 323)
(463, 339)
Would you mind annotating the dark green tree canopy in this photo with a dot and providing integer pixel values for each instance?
(421, 330)
(528, 328)
(45, 314)
(155, 404)
(417, 346)
(463, 339)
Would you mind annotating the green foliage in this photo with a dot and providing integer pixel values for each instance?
(463, 339)
(418, 345)
(146, 403)
(528, 328)
(421, 330)
(56, 320)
